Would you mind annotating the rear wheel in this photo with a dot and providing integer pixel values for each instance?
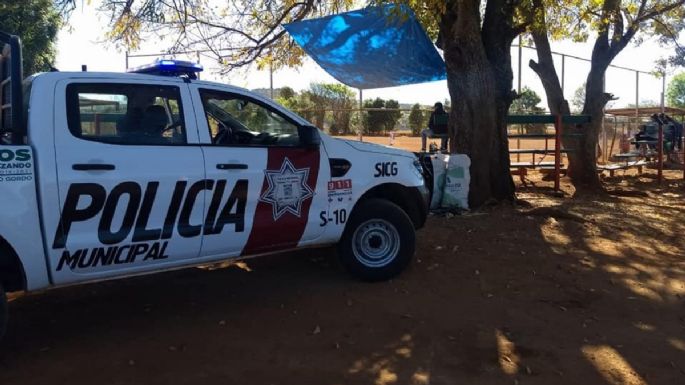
(3, 311)
(378, 242)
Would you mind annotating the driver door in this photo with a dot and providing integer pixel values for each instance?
(126, 153)
(272, 182)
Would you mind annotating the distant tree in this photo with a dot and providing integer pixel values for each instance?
(286, 93)
(675, 95)
(416, 119)
(339, 100)
(298, 103)
(578, 99)
(326, 103)
(527, 102)
(36, 22)
(374, 119)
(393, 115)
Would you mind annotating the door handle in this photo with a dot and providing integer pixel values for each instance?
(92, 167)
(231, 166)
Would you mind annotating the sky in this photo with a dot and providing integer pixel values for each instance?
(82, 42)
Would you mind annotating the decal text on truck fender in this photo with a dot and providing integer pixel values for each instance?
(15, 165)
(385, 169)
(7, 155)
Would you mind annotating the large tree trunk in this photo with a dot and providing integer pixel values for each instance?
(586, 177)
(498, 33)
(573, 139)
(610, 40)
(580, 141)
(595, 101)
(477, 117)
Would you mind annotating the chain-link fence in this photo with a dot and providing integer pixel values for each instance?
(368, 121)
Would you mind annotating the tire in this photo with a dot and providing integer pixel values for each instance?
(378, 242)
(3, 312)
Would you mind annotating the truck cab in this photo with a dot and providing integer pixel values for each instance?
(109, 175)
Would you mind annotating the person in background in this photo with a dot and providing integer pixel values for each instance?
(437, 127)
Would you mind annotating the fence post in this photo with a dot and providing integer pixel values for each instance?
(557, 152)
(660, 153)
(361, 115)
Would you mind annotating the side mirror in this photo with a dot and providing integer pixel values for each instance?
(309, 136)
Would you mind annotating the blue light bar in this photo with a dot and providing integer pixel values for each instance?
(168, 67)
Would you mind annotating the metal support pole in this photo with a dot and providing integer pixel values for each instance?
(604, 134)
(271, 79)
(637, 95)
(197, 53)
(361, 125)
(519, 68)
(557, 152)
(563, 72)
(660, 153)
(663, 92)
(518, 140)
(126, 59)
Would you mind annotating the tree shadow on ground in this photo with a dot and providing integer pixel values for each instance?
(500, 298)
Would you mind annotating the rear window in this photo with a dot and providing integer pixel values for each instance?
(126, 113)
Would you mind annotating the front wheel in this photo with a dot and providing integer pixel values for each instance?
(3, 311)
(378, 242)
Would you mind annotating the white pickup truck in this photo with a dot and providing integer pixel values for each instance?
(109, 175)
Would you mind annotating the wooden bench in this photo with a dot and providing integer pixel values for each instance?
(534, 151)
(531, 164)
(639, 164)
(521, 168)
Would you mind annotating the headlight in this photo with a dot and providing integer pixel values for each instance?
(418, 167)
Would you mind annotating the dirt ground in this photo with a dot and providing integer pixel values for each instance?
(552, 291)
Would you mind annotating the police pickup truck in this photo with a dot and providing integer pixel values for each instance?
(110, 175)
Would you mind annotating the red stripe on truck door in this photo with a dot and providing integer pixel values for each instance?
(285, 199)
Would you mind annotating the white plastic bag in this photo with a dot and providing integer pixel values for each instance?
(457, 178)
(439, 163)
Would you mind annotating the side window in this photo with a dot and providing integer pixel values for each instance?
(126, 113)
(237, 120)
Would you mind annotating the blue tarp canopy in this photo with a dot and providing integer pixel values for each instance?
(371, 47)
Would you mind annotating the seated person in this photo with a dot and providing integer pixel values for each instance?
(646, 133)
(154, 121)
(144, 127)
(673, 133)
(437, 126)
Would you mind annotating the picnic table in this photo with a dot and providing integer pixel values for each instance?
(625, 161)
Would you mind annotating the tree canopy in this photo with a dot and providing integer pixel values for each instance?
(675, 94)
(526, 102)
(324, 104)
(381, 116)
(36, 22)
(416, 119)
(236, 33)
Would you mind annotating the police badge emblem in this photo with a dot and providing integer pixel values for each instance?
(287, 189)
